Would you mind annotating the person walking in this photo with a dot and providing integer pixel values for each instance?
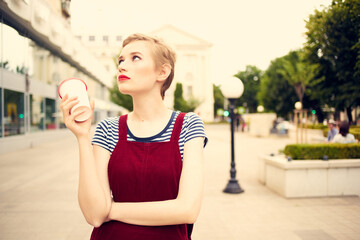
(141, 176)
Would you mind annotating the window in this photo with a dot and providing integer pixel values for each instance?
(13, 113)
(36, 113)
(105, 38)
(91, 38)
(49, 113)
(119, 38)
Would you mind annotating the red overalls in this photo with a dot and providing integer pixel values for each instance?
(142, 172)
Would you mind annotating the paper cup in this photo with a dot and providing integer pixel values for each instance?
(75, 87)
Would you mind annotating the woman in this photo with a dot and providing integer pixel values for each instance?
(344, 136)
(143, 176)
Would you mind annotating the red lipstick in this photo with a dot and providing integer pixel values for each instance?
(123, 77)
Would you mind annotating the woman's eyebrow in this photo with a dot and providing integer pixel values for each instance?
(131, 54)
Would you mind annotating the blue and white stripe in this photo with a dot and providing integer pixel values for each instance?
(107, 132)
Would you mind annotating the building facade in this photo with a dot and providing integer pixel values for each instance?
(192, 69)
(192, 65)
(105, 47)
(38, 51)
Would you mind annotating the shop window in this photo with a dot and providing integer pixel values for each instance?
(50, 113)
(13, 113)
(36, 113)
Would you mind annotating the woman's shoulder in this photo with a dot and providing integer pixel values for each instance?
(108, 123)
(350, 136)
(191, 117)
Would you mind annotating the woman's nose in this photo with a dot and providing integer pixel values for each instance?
(122, 66)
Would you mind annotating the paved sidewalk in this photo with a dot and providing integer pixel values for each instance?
(38, 196)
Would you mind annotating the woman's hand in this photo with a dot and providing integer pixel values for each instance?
(78, 128)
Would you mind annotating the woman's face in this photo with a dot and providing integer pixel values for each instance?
(136, 69)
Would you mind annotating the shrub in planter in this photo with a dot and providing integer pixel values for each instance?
(316, 126)
(355, 132)
(318, 151)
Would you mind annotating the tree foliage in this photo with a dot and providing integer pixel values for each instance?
(218, 98)
(333, 42)
(180, 104)
(251, 79)
(297, 72)
(275, 93)
(120, 99)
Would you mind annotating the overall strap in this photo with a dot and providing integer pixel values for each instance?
(123, 128)
(177, 127)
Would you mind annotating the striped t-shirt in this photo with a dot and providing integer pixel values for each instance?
(107, 132)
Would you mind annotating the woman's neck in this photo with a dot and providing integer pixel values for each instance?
(148, 108)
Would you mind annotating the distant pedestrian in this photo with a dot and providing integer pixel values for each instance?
(238, 119)
(332, 130)
(143, 176)
(344, 136)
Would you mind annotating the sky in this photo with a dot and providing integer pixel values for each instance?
(242, 32)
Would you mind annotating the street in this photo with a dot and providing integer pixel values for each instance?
(38, 196)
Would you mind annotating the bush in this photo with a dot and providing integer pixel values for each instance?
(318, 151)
(316, 126)
(355, 132)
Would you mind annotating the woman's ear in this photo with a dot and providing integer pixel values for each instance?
(164, 72)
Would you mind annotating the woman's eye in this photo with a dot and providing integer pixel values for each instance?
(120, 61)
(135, 58)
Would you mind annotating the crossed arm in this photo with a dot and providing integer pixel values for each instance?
(98, 207)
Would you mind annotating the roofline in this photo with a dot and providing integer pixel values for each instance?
(183, 32)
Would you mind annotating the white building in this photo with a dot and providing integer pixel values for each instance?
(37, 51)
(105, 47)
(192, 69)
(192, 66)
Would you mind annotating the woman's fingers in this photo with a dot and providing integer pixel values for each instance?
(67, 104)
(72, 117)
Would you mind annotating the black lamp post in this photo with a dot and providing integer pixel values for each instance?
(232, 89)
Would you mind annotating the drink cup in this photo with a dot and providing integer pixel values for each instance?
(75, 87)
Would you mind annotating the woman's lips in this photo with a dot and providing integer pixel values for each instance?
(123, 78)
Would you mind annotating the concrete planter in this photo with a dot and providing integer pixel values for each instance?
(310, 178)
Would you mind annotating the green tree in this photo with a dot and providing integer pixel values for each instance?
(180, 104)
(275, 93)
(192, 104)
(251, 79)
(5, 65)
(333, 42)
(218, 99)
(297, 72)
(179, 101)
(120, 99)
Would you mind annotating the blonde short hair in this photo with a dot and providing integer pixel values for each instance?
(162, 54)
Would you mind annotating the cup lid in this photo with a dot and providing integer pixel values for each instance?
(68, 80)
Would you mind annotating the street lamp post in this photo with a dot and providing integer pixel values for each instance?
(232, 89)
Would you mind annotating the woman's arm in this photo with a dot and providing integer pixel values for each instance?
(184, 209)
(93, 191)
